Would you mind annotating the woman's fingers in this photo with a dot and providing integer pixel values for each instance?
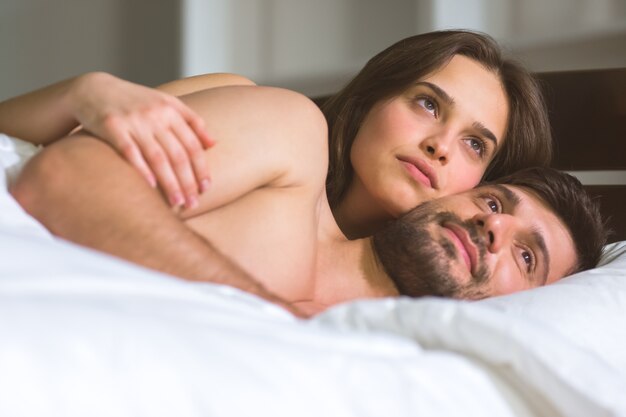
(195, 153)
(180, 135)
(192, 134)
(120, 137)
(180, 163)
(131, 152)
(166, 151)
(157, 160)
(196, 124)
(157, 133)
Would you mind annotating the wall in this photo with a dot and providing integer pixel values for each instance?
(545, 35)
(314, 47)
(43, 41)
(311, 46)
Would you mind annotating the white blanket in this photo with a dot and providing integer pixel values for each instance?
(84, 334)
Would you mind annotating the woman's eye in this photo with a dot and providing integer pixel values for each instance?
(428, 104)
(477, 146)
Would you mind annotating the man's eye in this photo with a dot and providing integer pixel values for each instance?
(493, 205)
(528, 260)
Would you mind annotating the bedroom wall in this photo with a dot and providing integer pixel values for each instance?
(315, 46)
(311, 46)
(43, 41)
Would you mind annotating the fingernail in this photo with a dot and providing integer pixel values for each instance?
(177, 200)
(204, 185)
(192, 202)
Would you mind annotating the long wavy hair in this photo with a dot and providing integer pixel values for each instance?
(528, 137)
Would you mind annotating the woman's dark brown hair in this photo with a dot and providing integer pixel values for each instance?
(528, 138)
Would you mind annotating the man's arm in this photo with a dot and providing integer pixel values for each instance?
(83, 191)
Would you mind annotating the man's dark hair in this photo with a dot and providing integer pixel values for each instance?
(566, 197)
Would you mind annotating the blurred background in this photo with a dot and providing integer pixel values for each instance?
(313, 46)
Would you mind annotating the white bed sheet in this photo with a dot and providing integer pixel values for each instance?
(82, 333)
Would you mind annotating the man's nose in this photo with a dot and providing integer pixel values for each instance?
(438, 145)
(497, 228)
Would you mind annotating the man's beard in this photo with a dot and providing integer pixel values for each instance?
(420, 264)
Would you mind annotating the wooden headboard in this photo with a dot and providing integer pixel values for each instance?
(588, 115)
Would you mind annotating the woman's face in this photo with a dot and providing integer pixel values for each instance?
(435, 139)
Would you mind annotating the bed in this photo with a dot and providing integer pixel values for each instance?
(82, 333)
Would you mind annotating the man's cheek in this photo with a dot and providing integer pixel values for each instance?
(506, 280)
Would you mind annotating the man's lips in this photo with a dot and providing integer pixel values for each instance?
(461, 239)
(420, 171)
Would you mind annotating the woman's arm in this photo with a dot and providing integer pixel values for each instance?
(44, 115)
(155, 131)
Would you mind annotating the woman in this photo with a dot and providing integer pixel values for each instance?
(483, 74)
(479, 76)
(429, 116)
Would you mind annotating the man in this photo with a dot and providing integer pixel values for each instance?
(267, 210)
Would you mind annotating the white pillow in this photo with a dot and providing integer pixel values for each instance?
(563, 345)
(588, 308)
(14, 153)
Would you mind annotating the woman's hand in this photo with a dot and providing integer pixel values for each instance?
(157, 133)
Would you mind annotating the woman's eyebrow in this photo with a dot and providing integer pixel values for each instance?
(440, 92)
(445, 97)
(485, 132)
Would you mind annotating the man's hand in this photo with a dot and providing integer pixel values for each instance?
(158, 134)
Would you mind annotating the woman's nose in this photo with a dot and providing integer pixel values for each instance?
(437, 146)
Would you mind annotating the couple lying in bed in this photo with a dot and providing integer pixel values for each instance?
(419, 126)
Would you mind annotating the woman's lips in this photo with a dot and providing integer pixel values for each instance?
(420, 171)
(464, 245)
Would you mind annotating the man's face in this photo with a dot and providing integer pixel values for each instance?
(492, 240)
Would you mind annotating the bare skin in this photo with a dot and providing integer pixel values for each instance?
(270, 213)
(168, 244)
(154, 131)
